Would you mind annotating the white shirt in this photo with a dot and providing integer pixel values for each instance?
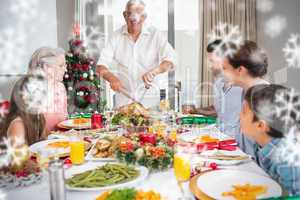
(129, 60)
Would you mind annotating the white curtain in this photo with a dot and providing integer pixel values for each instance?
(241, 13)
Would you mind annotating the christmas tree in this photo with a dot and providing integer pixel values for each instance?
(83, 86)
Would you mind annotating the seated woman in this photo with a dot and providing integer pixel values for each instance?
(270, 131)
(245, 68)
(23, 125)
(51, 62)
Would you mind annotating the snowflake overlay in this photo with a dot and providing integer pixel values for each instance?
(94, 40)
(275, 25)
(34, 94)
(289, 149)
(2, 195)
(12, 45)
(14, 36)
(292, 51)
(230, 36)
(288, 108)
(12, 153)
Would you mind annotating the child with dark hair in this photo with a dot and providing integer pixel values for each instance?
(246, 67)
(23, 125)
(269, 130)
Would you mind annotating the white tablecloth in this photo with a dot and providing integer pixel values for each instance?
(162, 182)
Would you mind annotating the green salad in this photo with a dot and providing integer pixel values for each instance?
(129, 120)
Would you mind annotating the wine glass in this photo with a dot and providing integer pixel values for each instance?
(182, 169)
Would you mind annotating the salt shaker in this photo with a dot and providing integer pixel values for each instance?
(56, 180)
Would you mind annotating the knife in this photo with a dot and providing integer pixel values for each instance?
(143, 94)
(126, 94)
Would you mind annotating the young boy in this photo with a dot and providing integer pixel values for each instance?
(261, 122)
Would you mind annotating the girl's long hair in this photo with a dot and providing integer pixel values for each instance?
(34, 122)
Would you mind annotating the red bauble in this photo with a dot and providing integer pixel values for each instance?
(87, 98)
(83, 88)
(77, 66)
(77, 42)
(85, 67)
(81, 78)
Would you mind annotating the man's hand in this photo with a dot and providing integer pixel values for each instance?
(148, 78)
(116, 85)
(150, 75)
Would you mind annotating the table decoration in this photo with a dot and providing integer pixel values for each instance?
(146, 150)
(25, 173)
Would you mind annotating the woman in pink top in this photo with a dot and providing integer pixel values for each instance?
(51, 63)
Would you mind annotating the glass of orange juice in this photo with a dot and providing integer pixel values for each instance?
(77, 150)
(182, 169)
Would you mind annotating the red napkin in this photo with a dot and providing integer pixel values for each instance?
(227, 145)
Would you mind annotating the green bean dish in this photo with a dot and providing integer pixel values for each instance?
(106, 175)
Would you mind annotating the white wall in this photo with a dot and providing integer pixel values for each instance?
(24, 27)
(288, 9)
(65, 12)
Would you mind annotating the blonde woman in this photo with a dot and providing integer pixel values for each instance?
(51, 63)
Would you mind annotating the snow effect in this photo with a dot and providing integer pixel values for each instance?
(292, 51)
(275, 26)
(230, 36)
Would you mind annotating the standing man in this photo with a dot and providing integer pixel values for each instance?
(141, 54)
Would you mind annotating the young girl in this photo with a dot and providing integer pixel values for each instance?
(246, 68)
(269, 130)
(22, 125)
(52, 63)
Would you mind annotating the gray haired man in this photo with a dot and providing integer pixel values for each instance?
(141, 55)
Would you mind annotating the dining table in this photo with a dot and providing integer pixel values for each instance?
(163, 182)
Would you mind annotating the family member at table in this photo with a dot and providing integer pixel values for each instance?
(141, 55)
(227, 98)
(269, 131)
(246, 68)
(20, 125)
(51, 62)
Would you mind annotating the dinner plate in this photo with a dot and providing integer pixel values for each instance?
(195, 133)
(93, 165)
(222, 157)
(214, 183)
(90, 157)
(69, 124)
(43, 146)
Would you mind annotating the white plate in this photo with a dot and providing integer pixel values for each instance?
(214, 183)
(194, 133)
(69, 124)
(43, 146)
(237, 152)
(93, 165)
(90, 156)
